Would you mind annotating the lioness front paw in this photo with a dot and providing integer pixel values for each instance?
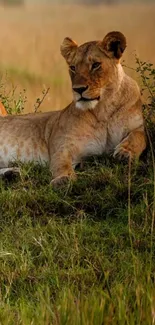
(62, 180)
(122, 151)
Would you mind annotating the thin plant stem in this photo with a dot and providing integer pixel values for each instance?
(40, 101)
(153, 211)
(129, 214)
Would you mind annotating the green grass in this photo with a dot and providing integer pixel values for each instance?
(69, 257)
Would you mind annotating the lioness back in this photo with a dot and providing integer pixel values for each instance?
(22, 138)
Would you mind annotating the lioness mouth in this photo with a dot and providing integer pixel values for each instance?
(83, 99)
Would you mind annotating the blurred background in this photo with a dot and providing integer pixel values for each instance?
(32, 31)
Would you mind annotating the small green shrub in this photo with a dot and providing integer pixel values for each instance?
(13, 103)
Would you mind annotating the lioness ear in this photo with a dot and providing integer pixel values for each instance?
(68, 49)
(114, 44)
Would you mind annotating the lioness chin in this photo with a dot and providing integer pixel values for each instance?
(105, 115)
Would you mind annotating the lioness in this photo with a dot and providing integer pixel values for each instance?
(105, 115)
(3, 111)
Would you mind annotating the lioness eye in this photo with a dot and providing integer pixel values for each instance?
(96, 65)
(72, 68)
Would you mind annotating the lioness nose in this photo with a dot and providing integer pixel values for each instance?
(80, 90)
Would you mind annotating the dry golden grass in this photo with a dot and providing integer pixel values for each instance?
(30, 39)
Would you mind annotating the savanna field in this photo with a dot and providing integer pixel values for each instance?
(84, 254)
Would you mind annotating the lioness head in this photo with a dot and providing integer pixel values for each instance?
(93, 66)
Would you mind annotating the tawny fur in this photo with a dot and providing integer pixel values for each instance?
(3, 111)
(105, 117)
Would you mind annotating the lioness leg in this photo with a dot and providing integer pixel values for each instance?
(61, 167)
(133, 145)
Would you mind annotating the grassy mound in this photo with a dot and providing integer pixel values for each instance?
(84, 254)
